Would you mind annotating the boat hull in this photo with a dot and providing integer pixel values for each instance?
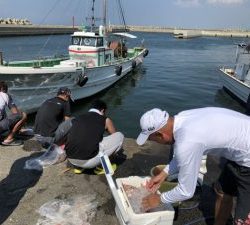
(238, 88)
(30, 87)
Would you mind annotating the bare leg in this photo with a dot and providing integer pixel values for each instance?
(223, 207)
(17, 127)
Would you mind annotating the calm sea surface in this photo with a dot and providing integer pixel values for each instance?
(176, 75)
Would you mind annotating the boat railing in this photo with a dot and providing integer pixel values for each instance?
(37, 63)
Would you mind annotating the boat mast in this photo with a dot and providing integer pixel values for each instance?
(93, 16)
(93, 19)
(105, 15)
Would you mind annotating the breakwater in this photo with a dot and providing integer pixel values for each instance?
(186, 33)
(26, 30)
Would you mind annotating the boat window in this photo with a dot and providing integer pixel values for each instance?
(88, 41)
(107, 58)
(99, 42)
(76, 41)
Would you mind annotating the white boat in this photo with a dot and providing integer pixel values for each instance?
(186, 34)
(96, 61)
(236, 79)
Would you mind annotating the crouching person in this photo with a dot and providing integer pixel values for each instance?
(51, 114)
(9, 123)
(84, 138)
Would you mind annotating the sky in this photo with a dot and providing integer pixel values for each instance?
(207, 14)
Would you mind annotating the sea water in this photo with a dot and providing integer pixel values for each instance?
(178, 74)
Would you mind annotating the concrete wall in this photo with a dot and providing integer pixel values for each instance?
(225, 33)
(190, 32)
(143, 28)
(21, 30)
(24, 30)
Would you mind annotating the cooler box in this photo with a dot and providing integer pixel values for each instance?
(124, 210)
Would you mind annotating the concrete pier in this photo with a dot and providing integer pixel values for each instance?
(23, 192)
(226, 33)
(26, 30)
(188, 33)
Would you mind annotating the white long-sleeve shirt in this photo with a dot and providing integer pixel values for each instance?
(197, 132)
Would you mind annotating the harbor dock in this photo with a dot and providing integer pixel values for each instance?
(23, 192)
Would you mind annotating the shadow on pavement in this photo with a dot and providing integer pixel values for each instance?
(15, 185)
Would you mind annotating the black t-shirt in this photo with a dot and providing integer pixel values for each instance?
(84, 136)
(50, 115)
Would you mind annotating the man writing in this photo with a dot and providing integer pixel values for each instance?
(195, 133)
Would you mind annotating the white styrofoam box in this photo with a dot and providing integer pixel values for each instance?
(124, 210)
(162, 217)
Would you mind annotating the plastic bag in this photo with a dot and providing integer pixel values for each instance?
(53, 155)
(135, 196)
(78, 210)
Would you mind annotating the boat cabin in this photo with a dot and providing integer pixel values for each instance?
(90, 47)
(242, 65)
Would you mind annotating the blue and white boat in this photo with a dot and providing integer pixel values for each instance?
(236, 79)
(96, 60)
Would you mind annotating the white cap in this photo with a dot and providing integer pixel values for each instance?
(150, 122)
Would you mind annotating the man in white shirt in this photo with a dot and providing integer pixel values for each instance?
(13, 122)
(195, 133)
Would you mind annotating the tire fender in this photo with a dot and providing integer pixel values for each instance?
(145, 53)
(133, 65)
(81, 80)
(118, 70)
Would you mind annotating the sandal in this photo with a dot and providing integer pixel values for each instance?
(100, 170)
(78, 171)
(12, 142)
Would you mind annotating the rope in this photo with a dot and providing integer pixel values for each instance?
(46, 42)
(122, 13)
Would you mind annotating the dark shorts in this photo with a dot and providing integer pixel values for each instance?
(9, 122)
(60, 134)
(235, 181)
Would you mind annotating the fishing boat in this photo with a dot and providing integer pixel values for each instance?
(236, 79)
(96, 60)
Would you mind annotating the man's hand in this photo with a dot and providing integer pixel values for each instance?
(155, 182)
(151, 201)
